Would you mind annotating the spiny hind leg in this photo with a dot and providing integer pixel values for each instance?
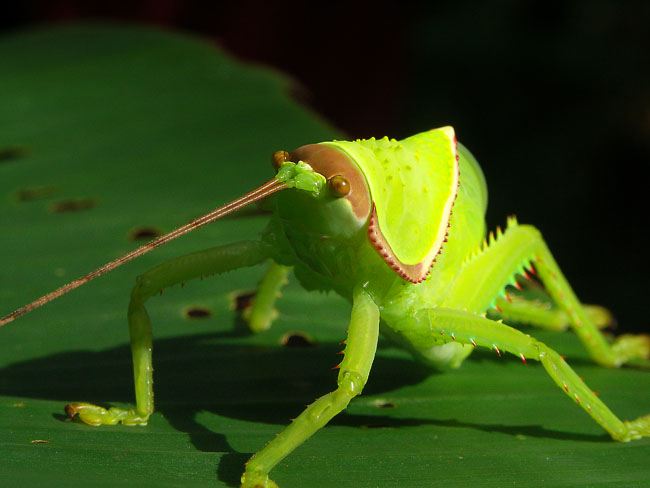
(538, 311)
(262, 313)
(179, 270)
(431, 327)
(361, 345)
(484, 277)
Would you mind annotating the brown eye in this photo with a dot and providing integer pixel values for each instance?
(280, 157)
(338, 185)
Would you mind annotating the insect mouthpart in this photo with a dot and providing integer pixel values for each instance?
(301, 176)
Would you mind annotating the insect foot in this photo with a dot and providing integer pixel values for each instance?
(636, 429)
(600, 316)
(94, 415)
(633, 349)
(252, 479)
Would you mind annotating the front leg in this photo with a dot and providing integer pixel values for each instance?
(179, 270)
(360, 349)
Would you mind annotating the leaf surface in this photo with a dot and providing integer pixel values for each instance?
(110, 130)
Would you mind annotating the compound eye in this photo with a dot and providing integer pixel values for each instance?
(338, 185)
(280, 157)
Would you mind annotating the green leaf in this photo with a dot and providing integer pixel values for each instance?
(108, 130)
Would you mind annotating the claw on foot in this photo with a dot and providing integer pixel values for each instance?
(630, 347)
(636, 429)
(257, 480)
(95, 415)
(600, 316)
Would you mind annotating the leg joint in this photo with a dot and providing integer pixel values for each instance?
(142, 289)
(350, 384)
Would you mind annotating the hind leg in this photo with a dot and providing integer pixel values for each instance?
(483, 279)
(436, 326)
(537, 311)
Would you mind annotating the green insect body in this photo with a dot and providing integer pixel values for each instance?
(397, 228)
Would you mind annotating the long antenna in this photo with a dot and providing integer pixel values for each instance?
(263, 191)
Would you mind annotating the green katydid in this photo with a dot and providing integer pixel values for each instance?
(397, 228)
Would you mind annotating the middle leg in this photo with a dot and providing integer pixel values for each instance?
(261, 313)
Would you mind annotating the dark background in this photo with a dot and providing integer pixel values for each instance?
(553, 98)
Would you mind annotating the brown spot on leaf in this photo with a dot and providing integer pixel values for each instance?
(12, 153)
(198, 313)
(241, 300)
(297, 339)
(384, 404)
(35, 193)
(144, 233)
(72, 205)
